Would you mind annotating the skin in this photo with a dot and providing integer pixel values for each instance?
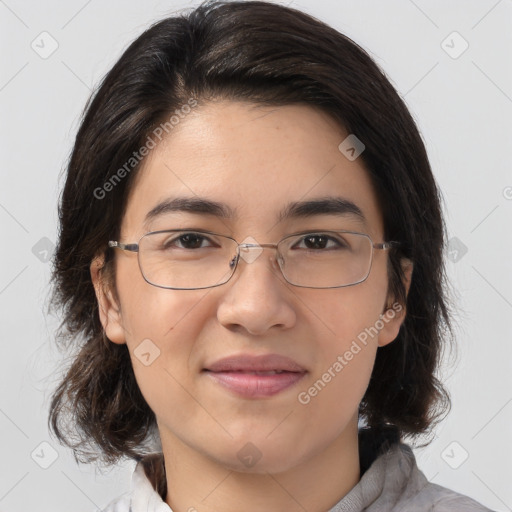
(230, 152)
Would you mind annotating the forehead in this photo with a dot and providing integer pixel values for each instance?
(257, 161)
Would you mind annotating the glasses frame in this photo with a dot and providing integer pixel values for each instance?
(134, 247)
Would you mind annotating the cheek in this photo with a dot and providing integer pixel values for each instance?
(152, 312)
(161, 327)
(340, 377)
(346, 336)
(347, 339)
(336, 389)
(347, 314)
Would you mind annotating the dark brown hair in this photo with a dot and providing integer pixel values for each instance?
(271, 55)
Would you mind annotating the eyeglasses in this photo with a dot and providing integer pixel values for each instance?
(195, 259)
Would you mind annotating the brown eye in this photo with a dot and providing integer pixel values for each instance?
(319, 241)
(186, 241)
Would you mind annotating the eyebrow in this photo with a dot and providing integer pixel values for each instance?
(298, 209)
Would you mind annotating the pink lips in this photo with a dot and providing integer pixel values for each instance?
(256, 376)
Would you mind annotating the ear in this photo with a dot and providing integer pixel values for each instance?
(394, 315)
(108, 307)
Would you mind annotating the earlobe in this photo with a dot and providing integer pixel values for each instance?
(393, 317)
(108, 307)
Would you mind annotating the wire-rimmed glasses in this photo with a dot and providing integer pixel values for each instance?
(195, 259)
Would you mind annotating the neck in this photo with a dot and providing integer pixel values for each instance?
(195, 482)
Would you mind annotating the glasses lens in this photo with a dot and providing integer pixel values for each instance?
(193, 260)
(186, 259)
(326, 259)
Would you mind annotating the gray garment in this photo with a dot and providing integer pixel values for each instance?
(393, 483)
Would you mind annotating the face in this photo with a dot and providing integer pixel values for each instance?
(256, 161)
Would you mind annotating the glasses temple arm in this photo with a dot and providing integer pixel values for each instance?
(124, 247)
(386, 245)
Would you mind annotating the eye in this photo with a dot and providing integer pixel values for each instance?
(319, 241)
(187, 241)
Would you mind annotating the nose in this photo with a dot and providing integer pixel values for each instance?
(256, 298)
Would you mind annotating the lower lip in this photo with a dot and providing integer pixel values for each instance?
(254, 386)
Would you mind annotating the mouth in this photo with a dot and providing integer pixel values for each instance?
(256, 376)
(247, 372)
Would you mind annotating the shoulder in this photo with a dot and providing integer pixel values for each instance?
(421, 495)
(120, 504)
(436, 498)
(143, 495)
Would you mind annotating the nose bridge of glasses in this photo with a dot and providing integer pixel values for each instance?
(250, 251)
(256, 245)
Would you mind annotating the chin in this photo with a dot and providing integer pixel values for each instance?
(259, 457)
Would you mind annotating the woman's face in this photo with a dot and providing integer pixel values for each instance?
(256, 161)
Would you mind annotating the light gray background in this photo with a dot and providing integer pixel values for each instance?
(463, 107)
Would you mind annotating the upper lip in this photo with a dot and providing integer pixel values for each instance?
(262, 363)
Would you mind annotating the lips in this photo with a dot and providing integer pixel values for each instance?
(253, 364)
(256, 376)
